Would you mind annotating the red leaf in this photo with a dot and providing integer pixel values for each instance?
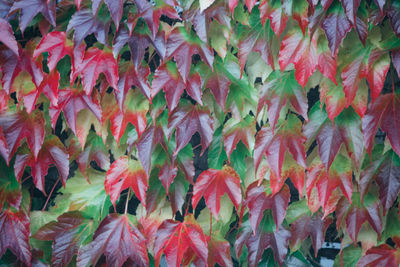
(57, 45)
(118, 240)
(30, 8)
(213, 184)
(258, 201)
(275, 13)
(219, 252)
(235, 131)
(219, 86)
(378, 66)
(167, 175)
(174, 239)
(182, 47)
(130, 76)
(314, 226)
(350, 8)
(383, 113)
(126, 173)
(187, 121)
(326, 62)
(396, 60)
(250, 4)
(7, 36)
(17, 126)
(116, 9)
(383, 255)
(394, 15)
(52, 152)
(336, 26)
(14, 235)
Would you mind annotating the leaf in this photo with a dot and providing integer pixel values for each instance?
(177, 239)
(85, 23)
(130, 244)
(326, 62)
(16, 127)
(264, 238)
(57, 45)
(258, 200)
(14, 235)
(273, 10)
(130, 76)
(97, 61)
(302, 52)
(382, 113)
(235, 131)
(219, 84)
(51, 152)
(116, 10)
(394, 14)
(333, 97)
(314, 226)
(336, 27)
(350, 8)
(378, 66)
(277, 90)
(213, 184)
(187, 121)
(7, 36)
(219, 252)
(383, 254)
(288, 138)
(30, 8)
(10, 189)
(182, 46)
(126, 173)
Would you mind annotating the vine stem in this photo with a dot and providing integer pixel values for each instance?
(210, 224)
(51, 192)
(127, 201)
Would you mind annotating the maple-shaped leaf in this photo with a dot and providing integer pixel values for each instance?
(182, 46)
(52, 152)
(339, 175)
(187, 121)
(265, 237)
(126, 173)
(383, 113)
(85, 23)
(288, 138)
(176, 239)
(235, 131)
(151, 14)
(219, 84)
(258, 200)
(70, 102)
(129, 244)
(16, 127)
(66, 234)
(30, 8)
(57, 45)
(314, 226)
(379, 256)
(302, 52)
(7, 36)
(274, 11)
(98, 61)
(213, 184)
(258, 39)
(277, 91)
(130, 76)
(357, 213)
(378, 66)
(14, 235)
(219, 252)
(115, 7)
(168, 78)
(336, 26)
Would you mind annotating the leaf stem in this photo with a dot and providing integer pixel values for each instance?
(210, 224)
(51, 192)
(127, 201)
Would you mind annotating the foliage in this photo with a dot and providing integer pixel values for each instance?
(118, 101)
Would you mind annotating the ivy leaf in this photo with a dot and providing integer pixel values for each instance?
(116, 10)
(187, 121)
(177, 239)
(394, 14)
(350, 8)
(17, 126)
(378, 66)
(52, 152)
(212, 184)
(382, 113)
(182, 46)
(30, 8)
(7, 36)
(57, 45)
(336, 26)
(273, 10)
(219, 84)
(130, 243)
(326, 62)
(14, 235)
(219, 252)
(277, 90)
(235, 131)
(130, 76)
(314, 226)
(97, 61)
(258, 200)
(383, 254)
(10, 189)
(85, 23)
(264, 238)
(126, 173)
